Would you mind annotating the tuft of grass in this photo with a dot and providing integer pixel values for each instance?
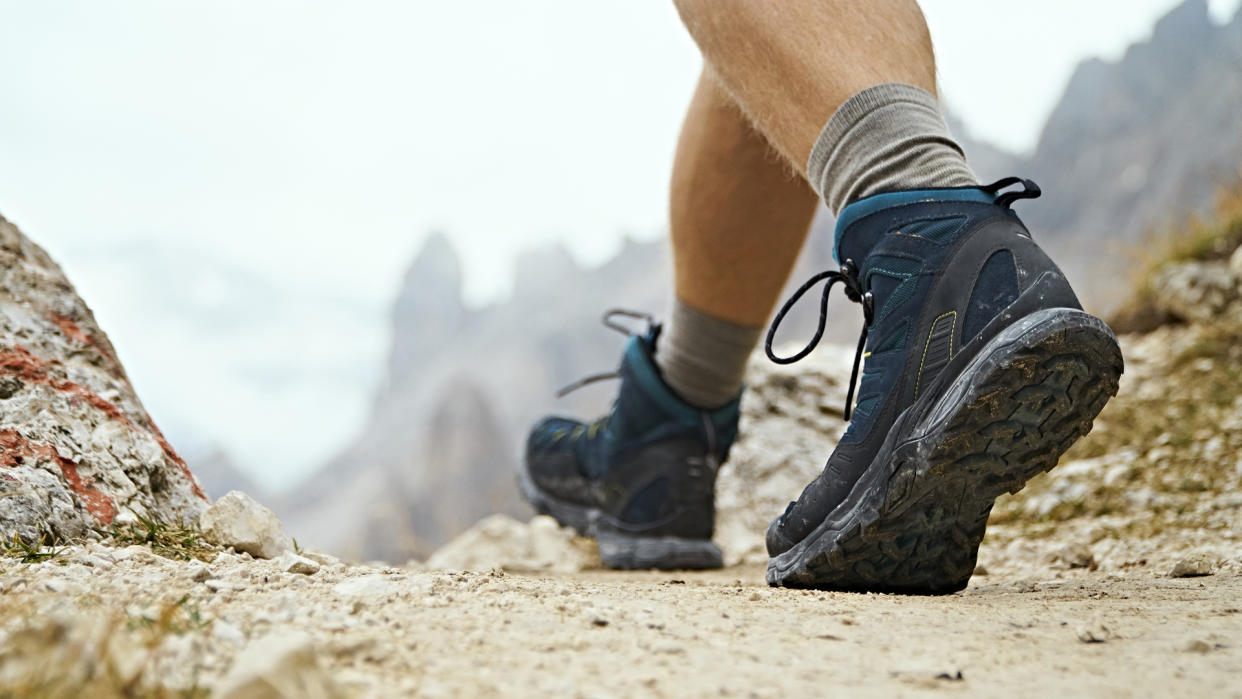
(1194, 240)
(30, 552)
(180, 542)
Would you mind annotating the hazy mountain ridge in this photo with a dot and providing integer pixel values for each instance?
(1132, 144)
(1136, 144)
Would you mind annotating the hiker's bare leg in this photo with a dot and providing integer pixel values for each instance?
(739, 213)
(791, 63)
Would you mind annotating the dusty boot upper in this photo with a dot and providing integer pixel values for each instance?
(649, 465)
(940, 272)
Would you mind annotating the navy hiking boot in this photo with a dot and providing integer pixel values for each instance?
(640, 480)
(980, 370)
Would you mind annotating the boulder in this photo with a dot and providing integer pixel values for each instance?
(78, 451)
(1195, 291)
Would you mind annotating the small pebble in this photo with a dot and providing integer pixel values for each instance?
(1192, 566)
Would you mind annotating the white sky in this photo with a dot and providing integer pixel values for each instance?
(315, 143)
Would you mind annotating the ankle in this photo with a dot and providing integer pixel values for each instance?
(885, 138)
(703, 358)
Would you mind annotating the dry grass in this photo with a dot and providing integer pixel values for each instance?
(1193, 240)
(1170, 442)
(180, 542)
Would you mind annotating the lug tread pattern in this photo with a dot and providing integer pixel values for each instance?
(923, 532)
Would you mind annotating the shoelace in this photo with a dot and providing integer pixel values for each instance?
(848, 276)
(652, 326)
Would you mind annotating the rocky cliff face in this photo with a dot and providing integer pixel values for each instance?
(78, 452)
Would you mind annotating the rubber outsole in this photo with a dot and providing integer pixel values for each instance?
(623, 550)
(914, 521)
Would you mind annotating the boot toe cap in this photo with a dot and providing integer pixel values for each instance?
(775, 538)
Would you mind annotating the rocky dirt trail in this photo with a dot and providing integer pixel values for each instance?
(127, 621)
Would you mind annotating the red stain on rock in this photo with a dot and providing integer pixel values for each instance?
(15, 449)
(27, 367)
(19, 362)
(70, 329)
(75, 333)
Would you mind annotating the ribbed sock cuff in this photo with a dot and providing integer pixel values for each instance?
(885, 138)
(702, 357)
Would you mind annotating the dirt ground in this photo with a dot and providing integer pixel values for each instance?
(112, 620)
(727, 634)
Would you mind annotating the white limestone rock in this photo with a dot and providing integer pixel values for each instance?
(239, 521)
(291, 562)
(78, 451)
(502, 542)
(1196, 291)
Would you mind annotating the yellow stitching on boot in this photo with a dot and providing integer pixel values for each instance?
(953, 329)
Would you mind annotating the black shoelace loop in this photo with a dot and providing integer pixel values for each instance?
(847, 275)
(653, 329)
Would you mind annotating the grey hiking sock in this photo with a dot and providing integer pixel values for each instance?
(885, 138)
(702, 357)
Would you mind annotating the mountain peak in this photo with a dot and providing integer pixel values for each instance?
(1188, 21)
(437, 265)
(542, 271)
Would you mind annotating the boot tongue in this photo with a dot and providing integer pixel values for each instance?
(862, 224)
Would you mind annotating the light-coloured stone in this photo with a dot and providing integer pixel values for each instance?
(1074, 555)
(323, 559)
(500, 541)
(1095, 631)
(222, 585)
(1193, 565)
(366, 587)
(199, 572)
(291, 562)
(1235, 265)
(239, 521)
(228, 633)
(281, 665)
(1195, 291)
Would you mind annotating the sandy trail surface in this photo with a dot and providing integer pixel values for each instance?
(727, 634)
(371, 631)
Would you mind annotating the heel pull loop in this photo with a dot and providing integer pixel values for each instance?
(1029, 190)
